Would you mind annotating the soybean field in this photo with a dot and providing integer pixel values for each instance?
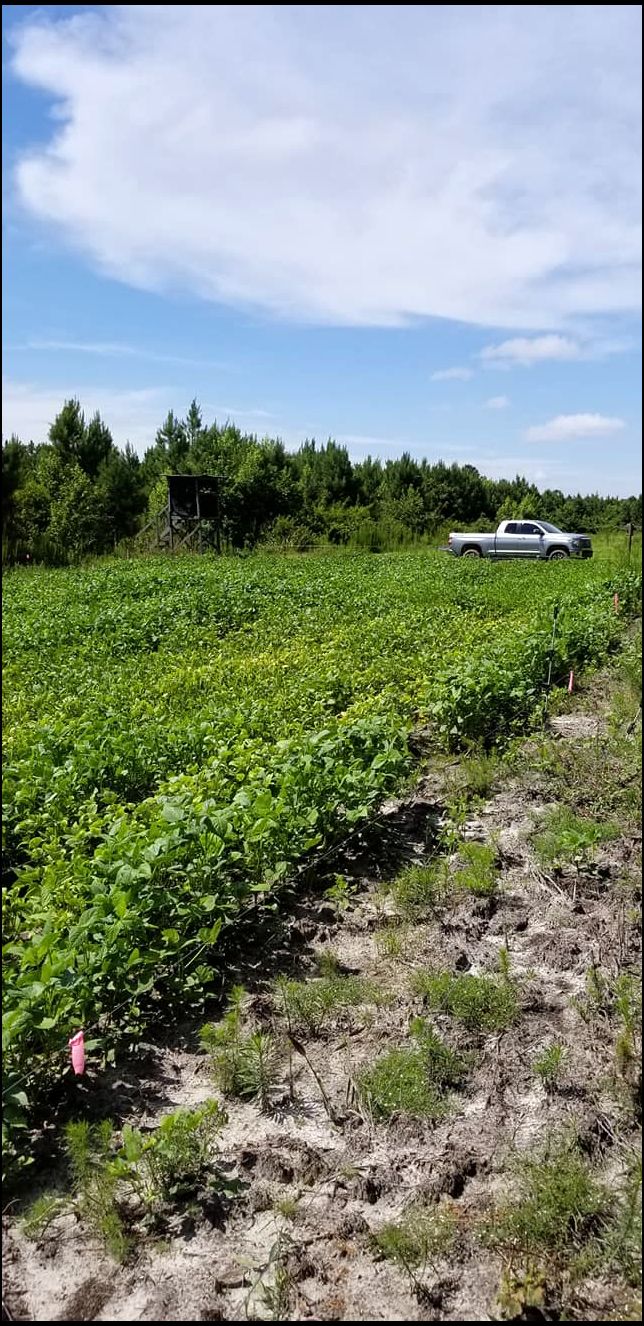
(180, 735)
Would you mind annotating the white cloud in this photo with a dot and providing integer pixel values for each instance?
(497, 403)
(348, 164)
(452, 374)
(131, 416)
(116, 350)
(526, 350)
(571, 427)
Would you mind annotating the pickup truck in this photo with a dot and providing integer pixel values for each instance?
(522, 538)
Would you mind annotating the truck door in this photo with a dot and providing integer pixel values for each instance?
(509, 543)
(529, 538)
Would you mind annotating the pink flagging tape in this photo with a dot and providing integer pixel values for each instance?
(571, 683)
(616, 602)
(77, 1047)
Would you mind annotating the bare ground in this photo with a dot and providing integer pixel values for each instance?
(319, 1176)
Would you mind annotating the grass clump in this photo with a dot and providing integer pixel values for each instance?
(566, 837)
(41, 1215)
(245, 1063)
(311, 1004)
(559, 1204)
(477, 874)
(477, 775)
(414, 1079)
(390, 940)
(549, 1065)
(418, 1241)
(421, 889)
(482, 1003)
(94, 1180)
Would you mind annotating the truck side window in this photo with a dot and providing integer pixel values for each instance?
(512, 528)
(529, 529)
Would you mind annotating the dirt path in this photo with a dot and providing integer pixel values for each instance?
(321, 1172)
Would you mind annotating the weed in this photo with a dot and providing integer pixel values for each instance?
(277, 1295)
(95, 1182)
(340, 893)
(418, 1241)
(549, 1065)
(421, 889)
(258, 1066)
(41, 1215)
(413, 1080)
(482, 1003)
(390, 939)
(223, 1042)
(622, 1240)
(504, 962)
(476, 775)
(173, 1162)
(558, 1204)
(244, 1063)
(287, 1207)
(310, 1004)
(567, 837)
(478, 873)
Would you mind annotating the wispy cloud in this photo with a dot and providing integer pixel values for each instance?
(132, 416)
(452, 374)
(497, 403)
(572, 427)
(116, 350)
(527, 350)
(345, 164)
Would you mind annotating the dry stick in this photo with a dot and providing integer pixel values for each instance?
(299, 1048)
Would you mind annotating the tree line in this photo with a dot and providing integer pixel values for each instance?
(78, 494)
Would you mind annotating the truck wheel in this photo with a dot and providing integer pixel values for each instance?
(557, 555)
(471, 552)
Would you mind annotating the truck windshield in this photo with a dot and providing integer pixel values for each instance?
(551, 529)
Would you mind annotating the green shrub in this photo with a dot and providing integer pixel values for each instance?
(413, 1080)
(478, 873)
(558, 1204)
(565, 836)
(482, 1003)
(421, 889)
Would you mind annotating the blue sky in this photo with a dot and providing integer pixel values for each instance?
(410, 229)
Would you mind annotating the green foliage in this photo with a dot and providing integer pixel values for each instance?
(418, 1241)
(171, 1164)
(390, 940)
(477, 775)
(482, 1003)
(621, 1239)
(558, 1203)
(149, 1172)
(41, 1215)
(565, 837)
(421, 889)
(413, 1080)
(311, 1005)
(340, 893)
(178, 734)
(549, 1065)
(89, 1151)
(245, 1063)
(478, 874)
